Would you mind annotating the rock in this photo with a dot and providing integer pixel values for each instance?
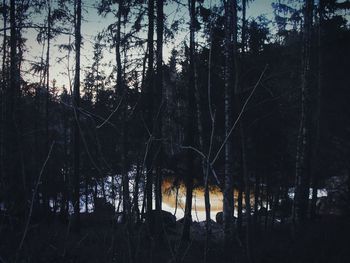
(120, 218)
(167, 218)
(220, 218)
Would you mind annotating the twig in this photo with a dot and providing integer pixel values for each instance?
(114, 111)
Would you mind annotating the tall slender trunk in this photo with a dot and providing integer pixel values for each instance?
(159, 90)
(125, 176)
(13, 83)
(76, 167)
(47, 101)
(205, 163)
(121, 92)
(65, 194)
(190, 126)
(318, 104)
(230, 70)
(12, 155)
(149, 102)
(241, 179)
(303, 162)
(158, 120)
(3, 92)
(246, 181)
(249, 238)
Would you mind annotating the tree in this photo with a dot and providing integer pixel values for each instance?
(76, 105)
(12, 151)
(190, 125)
(150, 109)
(244, 151)
(303, 158)
(4, 82)
(160, 102)
(229, 78)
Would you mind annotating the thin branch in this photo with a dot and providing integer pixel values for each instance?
(114, 111)
(196, 150)
(239, 116)
(33, 197)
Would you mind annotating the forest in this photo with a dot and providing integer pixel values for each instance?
(175, 131)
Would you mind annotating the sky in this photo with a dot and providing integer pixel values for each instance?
(93, 24)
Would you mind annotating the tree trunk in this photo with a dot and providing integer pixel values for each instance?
(3, 91)
(205, 164)
(12, 155)
(121, 92)
(149, 102)
(47, 102)
(190, 126)
(158, 120)
(76, 114)
(136, 210)
(317, 118)
(303, 161)
(240, 202)
(230, 70)
(256, 199)
(249, 238)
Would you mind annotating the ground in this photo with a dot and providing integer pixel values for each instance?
(325, 240)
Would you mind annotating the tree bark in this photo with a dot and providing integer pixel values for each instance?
(303, 161)
(149, 101)
(190, 125)
(249, 239)
(76, 127)
(317, 118)
(3, 92)
(12, 155)
(230, 45)
(47, 102)
(159, 117)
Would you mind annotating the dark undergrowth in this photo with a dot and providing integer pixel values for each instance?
(325, 240)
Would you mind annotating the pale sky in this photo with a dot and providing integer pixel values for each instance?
(93, 23)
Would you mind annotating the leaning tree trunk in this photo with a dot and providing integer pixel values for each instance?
(303, 161)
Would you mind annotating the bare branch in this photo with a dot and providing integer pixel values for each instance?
(33, 197)
(114, 111)
(239, 116)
